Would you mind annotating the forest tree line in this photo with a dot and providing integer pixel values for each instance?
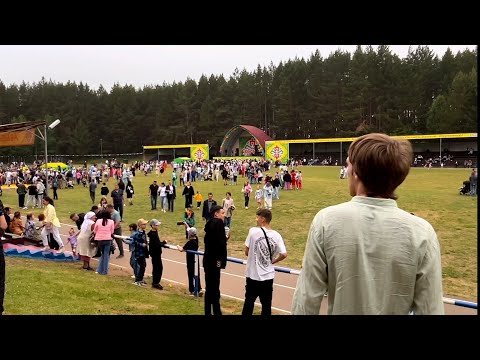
(342, 95)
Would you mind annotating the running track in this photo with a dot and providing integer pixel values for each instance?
(232, 283)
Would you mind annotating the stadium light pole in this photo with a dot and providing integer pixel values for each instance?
(51, 126)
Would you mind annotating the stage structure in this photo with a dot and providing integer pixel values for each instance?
(279, 150)
(244, 141)
(19, 134)
(196, 151)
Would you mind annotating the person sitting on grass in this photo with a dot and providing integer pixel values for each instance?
(16, 226)
(29, 227)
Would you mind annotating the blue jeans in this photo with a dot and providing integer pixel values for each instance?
(163, 201)
(104, 247)
(134, 264)
(227, 221)
(153, 201)
(473, 189)
(276, 193)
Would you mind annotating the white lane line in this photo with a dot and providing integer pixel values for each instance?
(174, 261)
(126, 268)
(284, 286)
(227, 296)
(256, 303)
(223, 272)
(230, 274)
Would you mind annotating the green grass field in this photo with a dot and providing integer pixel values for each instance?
(41, 287)
(432, 194)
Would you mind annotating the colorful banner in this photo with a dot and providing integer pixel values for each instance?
(199, 152)
(277, 151)
(249, 146)
(17, 138)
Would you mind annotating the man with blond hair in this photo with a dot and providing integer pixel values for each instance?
(371, 256)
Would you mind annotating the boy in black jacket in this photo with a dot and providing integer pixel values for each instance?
(155, 249)
(192, 244)
(214, 259)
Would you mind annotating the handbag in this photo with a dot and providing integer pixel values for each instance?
(92, 239)
(268, 244)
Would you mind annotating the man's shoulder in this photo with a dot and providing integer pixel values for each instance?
(254, 229)
(335, 209)
(416, 220)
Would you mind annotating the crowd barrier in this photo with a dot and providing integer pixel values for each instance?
(450, 301)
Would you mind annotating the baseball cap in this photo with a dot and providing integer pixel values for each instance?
(192, 231)
(154, 222)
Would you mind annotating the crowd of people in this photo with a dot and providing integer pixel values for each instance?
(386, 261)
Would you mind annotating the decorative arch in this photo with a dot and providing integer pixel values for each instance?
(234, 133)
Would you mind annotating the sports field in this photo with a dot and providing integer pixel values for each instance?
(432, 194)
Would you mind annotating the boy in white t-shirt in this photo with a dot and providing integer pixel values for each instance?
(260, 271)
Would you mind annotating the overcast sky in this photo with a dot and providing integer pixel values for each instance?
(141, 65)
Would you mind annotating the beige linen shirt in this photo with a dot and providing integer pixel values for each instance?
(372, 258)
